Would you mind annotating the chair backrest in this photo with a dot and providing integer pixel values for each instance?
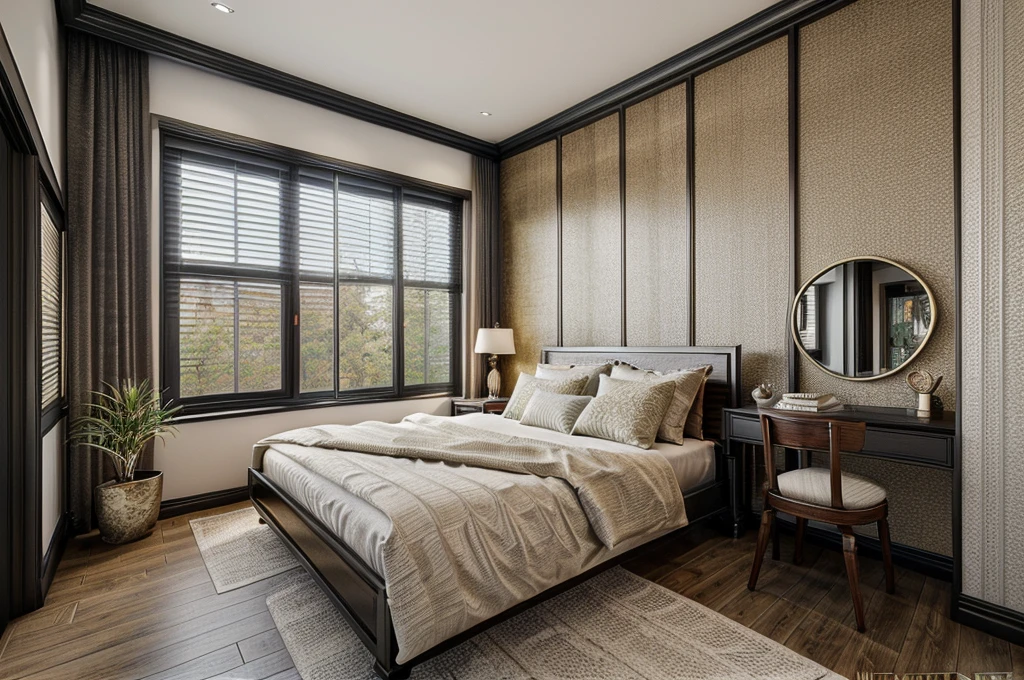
(811, 432)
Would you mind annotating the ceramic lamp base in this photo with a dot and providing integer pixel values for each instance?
(493, 378)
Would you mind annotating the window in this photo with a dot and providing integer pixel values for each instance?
(51, 316)
(295, 284)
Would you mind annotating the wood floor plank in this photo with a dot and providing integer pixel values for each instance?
(214, 663)
(783, 617)
(260, 645)
(982, 653)
(261, 668)
(705, 565)
(932, 642)
(655, 564)
(138, 658)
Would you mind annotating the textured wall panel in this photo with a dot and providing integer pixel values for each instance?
(529, 231)
(591, 236)
(876, 163)
(657, 222)
(741, 163)
(992, 290)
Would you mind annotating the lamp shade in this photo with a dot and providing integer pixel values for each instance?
(495, 341)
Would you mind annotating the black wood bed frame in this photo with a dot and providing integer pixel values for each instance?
(360, 594)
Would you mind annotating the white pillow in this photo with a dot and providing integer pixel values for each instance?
(557, 372)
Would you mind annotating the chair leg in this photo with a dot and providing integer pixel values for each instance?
(798, 551)
(775, 537)
(850, 554)
(883, 536)
(762, 544)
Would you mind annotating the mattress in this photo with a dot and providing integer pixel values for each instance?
(364, 528)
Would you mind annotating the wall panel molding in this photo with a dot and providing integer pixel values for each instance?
(992, 248)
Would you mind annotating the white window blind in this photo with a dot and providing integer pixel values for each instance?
(51, 337)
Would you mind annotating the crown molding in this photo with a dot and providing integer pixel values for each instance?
(81, 16)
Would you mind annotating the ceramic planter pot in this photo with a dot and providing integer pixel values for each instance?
(127, 511)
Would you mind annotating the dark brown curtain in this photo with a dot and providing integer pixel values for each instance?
(109, 324)
(480, 266)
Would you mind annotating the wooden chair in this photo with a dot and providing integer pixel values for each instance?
(825, 495)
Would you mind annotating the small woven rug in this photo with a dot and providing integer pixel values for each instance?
(616, 626)
(238, 550)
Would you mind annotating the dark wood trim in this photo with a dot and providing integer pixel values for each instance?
(202, 501)
(622, 224)
(87, 18)
(54, 553)
(766, 25)
(923, 561)
(28, 137)
(993, 619)
(691, 208)
(558, 229)
(792, 354)
(958, 333)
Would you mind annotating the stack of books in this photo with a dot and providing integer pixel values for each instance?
(809, 402)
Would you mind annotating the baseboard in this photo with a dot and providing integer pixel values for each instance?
(202, 501)
(994, 619)
(923, 561)
(54, 553)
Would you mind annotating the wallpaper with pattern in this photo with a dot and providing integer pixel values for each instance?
(529, 258)
(657, 220)
(992, 289)
(591, 236)
(741, 159)
(875, 178)
(876, 164)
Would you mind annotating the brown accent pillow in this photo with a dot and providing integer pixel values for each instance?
(695, 418)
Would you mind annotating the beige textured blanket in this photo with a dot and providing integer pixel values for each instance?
(482, 520)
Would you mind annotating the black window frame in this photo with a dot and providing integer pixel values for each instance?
(52, 413)
(298, 164)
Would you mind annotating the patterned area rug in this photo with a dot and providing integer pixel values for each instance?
(616, 626)
(238, 550)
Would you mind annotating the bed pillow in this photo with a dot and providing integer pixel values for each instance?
(528, 384)
(558, 412)
(695, 418)
(687, 386)
(559, 371)
(626, 411)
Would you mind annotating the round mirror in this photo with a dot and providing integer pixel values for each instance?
(863, 318)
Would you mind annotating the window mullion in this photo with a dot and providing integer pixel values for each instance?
(398, 343)
(291, 370)
(336, 370)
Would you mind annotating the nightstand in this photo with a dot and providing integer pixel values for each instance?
(496, 406)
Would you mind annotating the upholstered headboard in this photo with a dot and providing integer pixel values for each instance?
(723, 388)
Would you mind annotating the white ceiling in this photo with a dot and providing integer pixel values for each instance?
(447, 60)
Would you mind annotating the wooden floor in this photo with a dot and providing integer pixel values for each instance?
(149, 610)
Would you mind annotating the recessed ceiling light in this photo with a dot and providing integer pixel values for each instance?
(222, 7)
(485, 113)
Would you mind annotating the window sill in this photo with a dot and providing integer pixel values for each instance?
(301, 406)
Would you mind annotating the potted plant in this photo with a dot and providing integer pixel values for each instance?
(120, 423)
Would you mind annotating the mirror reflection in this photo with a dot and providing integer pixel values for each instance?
(863, 318)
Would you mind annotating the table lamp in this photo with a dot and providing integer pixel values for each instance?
(494, 341)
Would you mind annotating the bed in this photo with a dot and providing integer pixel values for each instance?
(339, 538)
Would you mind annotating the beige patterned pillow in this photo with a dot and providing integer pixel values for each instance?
(528, 384)
(687, 386)
(626, 411)
(558, 412)
(559, 371)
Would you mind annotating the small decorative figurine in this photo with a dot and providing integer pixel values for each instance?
(924, 384)
(764, 395)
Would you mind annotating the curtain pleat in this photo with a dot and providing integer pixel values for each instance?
(480, 252)
(108, 208)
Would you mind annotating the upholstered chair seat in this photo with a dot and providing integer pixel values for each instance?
(813, 485)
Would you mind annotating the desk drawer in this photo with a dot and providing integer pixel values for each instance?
(745, 429)
(912, 447)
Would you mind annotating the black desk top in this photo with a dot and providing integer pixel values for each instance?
(943, 422)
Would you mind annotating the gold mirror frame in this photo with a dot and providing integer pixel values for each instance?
(807, 284)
